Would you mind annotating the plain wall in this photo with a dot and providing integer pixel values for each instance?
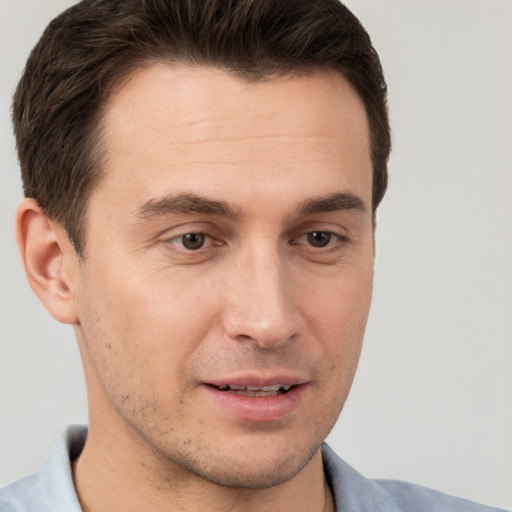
(432, 401)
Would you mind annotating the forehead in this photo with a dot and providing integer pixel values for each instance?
(194, 94)
(188, 127)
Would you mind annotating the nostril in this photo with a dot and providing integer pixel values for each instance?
(266, 329)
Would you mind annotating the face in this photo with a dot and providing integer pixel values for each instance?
(228, 270)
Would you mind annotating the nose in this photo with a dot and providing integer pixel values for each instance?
(260, 301)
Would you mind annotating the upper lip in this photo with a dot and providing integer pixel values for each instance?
(259, 381)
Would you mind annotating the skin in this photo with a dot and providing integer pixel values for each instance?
(156, 320)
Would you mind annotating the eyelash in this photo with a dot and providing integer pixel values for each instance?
(333, 242)
(205, 236)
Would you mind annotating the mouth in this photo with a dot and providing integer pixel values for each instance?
(255, 391)
(259, 399)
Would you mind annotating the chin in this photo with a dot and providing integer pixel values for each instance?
(255, 466)
(253, 472)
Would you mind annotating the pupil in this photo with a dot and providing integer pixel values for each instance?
(193, 241)
(319, 238)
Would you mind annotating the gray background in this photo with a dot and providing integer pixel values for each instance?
(432, 402)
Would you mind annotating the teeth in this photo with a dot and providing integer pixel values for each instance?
(278, 387)
(257, 390)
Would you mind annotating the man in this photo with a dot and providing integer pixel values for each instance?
(201, 182)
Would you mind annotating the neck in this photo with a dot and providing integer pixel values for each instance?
(112, 474)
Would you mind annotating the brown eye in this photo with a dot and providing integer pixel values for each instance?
(193, 241)
(319, 238)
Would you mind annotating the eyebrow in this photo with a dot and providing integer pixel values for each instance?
(191, 203)
(333, 202)
(186, 203)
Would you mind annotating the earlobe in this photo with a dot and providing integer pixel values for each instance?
(50, 261)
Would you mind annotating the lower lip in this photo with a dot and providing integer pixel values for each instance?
(259, 408)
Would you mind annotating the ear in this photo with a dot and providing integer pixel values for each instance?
(50, 260)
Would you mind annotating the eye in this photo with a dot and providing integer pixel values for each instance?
(319, 238)
(191, 241)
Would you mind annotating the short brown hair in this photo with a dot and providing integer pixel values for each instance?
(87, 51)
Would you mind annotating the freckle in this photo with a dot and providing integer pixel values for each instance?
(187, 441)
(201, 422)
(108, 345)
(180, 401)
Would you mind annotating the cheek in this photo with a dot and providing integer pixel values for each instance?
(338, 321)
(153, 319)
(338, 306)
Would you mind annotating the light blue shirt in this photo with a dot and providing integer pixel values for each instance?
(52, 489)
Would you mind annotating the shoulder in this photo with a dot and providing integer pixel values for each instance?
(51, 489)
(21, 496)
(352, 491)
(418, 498)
